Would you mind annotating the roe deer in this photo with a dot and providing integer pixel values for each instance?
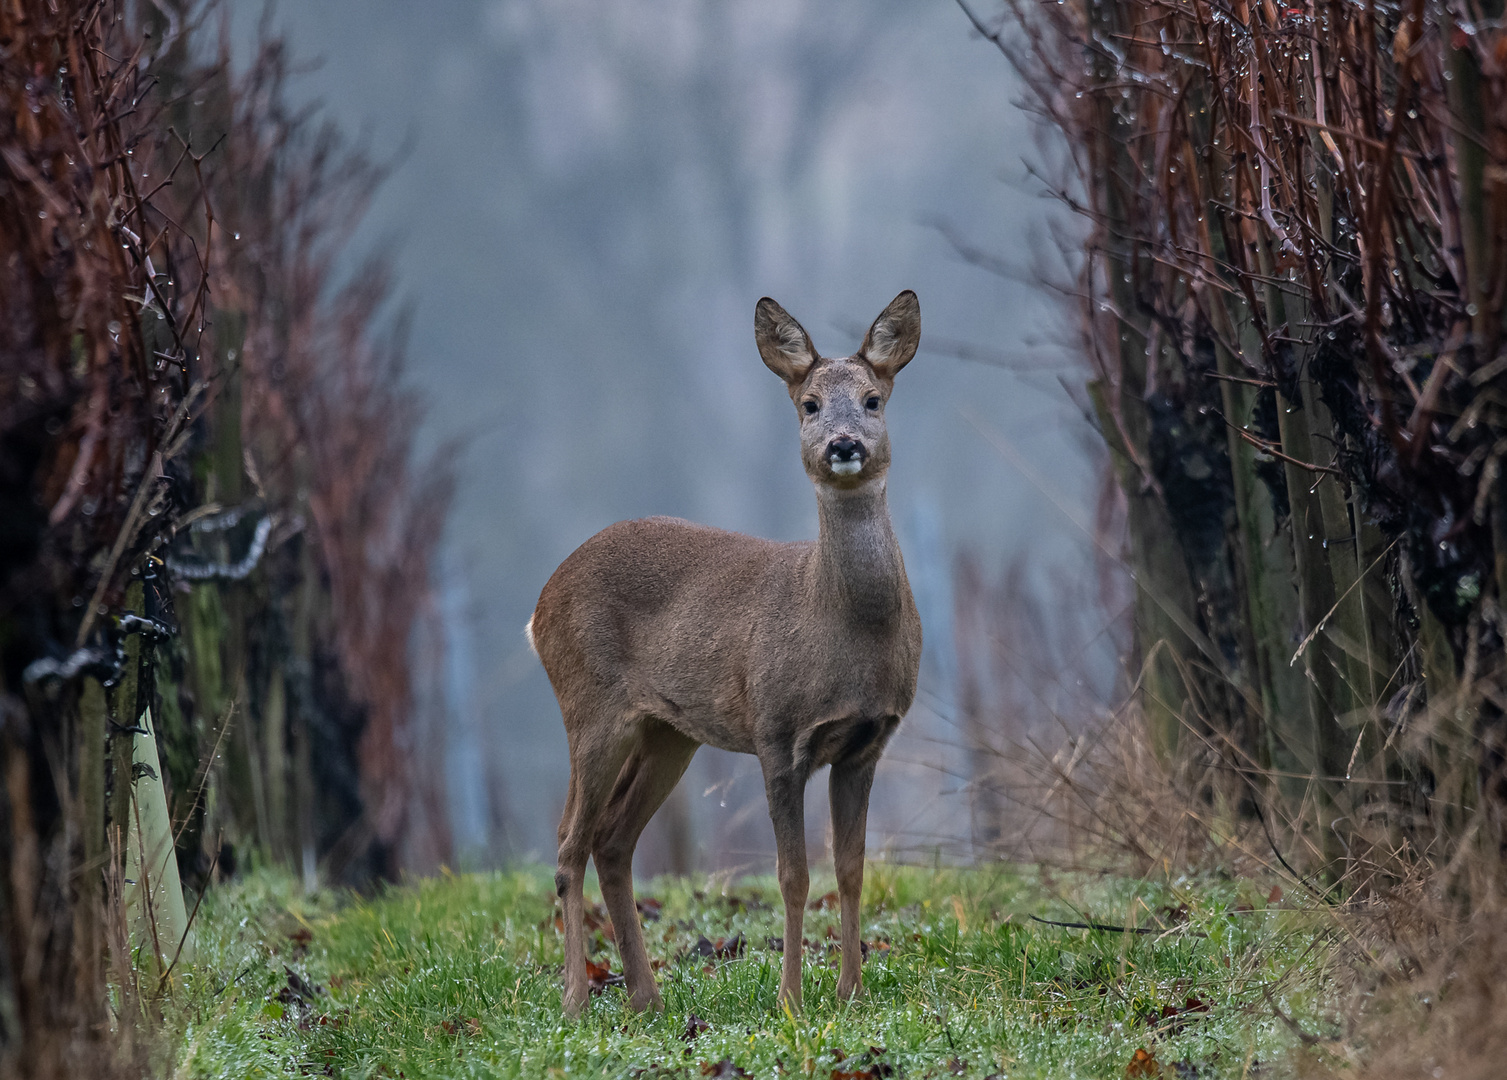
(660, 635)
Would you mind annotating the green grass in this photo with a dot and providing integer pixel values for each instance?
(459, 976)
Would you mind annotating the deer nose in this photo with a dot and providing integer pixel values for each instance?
(845, 449)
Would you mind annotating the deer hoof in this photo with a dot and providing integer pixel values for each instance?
(850, 991)
(649, 1001)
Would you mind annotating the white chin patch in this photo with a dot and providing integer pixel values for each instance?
(847, 468)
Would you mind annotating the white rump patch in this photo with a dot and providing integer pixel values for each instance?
(847, 468)
(528, 632)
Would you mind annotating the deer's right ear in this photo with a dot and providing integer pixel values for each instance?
(783, 342)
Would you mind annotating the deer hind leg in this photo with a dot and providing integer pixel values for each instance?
(647, 778)
(849, 787)
(596, 756)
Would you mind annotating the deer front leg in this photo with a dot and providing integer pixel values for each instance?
(849, 787)
(787, 810)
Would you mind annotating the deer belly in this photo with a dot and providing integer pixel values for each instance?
(700, 717)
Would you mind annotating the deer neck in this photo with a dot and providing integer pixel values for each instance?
(857, 566)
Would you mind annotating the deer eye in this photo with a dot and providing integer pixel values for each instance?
(810, 407)
(873, 403)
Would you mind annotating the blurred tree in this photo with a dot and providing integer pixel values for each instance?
(1293, 313)
(209, 516)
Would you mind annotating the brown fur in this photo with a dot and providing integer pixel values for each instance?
(660, 635)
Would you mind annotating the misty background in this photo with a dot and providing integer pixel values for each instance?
(588, 200)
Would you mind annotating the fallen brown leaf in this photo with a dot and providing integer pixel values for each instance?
(721, 949)
(1172, 1018)
(599, 977)
(1173, 916)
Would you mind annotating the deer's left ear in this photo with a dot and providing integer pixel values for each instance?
(894, 337)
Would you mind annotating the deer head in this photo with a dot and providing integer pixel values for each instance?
(840, 401)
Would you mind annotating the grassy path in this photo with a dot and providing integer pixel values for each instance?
(459, 977)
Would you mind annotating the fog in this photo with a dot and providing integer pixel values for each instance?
(589, 199)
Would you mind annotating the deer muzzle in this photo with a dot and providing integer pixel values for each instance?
(846, 456)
